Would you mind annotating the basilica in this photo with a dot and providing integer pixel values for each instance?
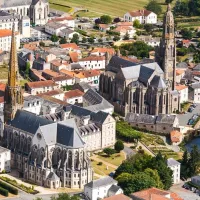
(36, 10)
(144, 88)
(45, 152)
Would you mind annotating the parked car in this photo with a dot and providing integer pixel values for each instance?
(190, 122)
(194, 105)
(190, 109)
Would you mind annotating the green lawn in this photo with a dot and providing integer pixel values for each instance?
(3, 73)
(115, 159)
(101, 169)
(62, 8)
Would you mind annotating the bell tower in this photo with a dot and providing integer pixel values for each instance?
(13, 99)
(166, 53)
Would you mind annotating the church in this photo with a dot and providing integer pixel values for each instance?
(144, 88)
(47, 153)
(36, 10)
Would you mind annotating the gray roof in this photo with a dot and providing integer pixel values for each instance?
(88, 129)
(32, 121)
(99, 117)
(140, 118)
(13, 3)
(195, 85)
(114, 188)
(55, 25)
(183, 65)
(53, 176)
(79, 111)
(67, 30)
(158, 82)
(101, 182)
(196, 68)
(165, 118)
(172, 162)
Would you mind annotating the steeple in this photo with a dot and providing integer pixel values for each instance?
(13, 99)
(166, 53)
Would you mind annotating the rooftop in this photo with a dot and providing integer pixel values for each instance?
(69, 46)
(6, 32)
(172, 162)
(39, 84)
(73, 94)
(118, 197)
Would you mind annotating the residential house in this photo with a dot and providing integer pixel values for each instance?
(176, 137)
(154, 194)
(24, 58)
(196, 180)
(70, 47)
(149, 40)
(183, 93)
(58, 64)
(118, 197)
(93, 62)
(175, 166)
(82, 86)
(179, 75)
(58, 94)
(36, 75)
(5, 159)
(74, 56)
(163, 123)
(182, 66)
(38, 87)
(54, 28)
(64, 80)
(143, 16)
(123, 30)
(68, 33)
(186, 43)
(5, 39)
(66, 20)
(49, 74)
(104, 27)
(101, 188)
(194, 92)
(74, 96)
(101, 51)
(40, 64)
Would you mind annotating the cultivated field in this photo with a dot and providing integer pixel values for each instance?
(99, 7)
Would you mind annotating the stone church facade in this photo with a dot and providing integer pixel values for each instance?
(144, 88)
(36, 10)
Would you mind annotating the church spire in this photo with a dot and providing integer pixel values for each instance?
(13, 65)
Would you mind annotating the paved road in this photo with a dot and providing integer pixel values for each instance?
(128, 151)
(183, 118)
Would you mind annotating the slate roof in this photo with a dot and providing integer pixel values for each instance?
(140, 118)
(158, 82)
(13, 3)
(182, 65)
(195, 85)
(32, 121)
(114, 188)
(164, 118)
(79, 111)
(99, 117)
(172, 162)
(101, 182)
(196, 68)
(53, 176)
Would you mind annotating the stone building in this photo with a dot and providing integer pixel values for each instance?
(144, 88)
(36, 10)
(44, 151)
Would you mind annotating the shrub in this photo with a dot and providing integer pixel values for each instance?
(9, 188)
(4, 192)
(119, 146)
(100, 163)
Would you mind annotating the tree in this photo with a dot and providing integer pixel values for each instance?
(186, 33)
(97, 21)
(65, 196)
(54, 38)
(119, 146)
(27, 70)
(100, 40)
(148, 27)
(126, 36)
(42, 44)
(105, 19)
(109, 151)
(91, 40)
(63, 40)
(116, 20)
(136, 23)
(168, 1)
(75, 38)
(116, 38)
(181, 8)
(154, 6)
(84, 40)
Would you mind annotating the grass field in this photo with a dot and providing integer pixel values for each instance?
(3, 73)
(99, 7)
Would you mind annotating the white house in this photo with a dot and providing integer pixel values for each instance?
(5, 39)
(194, 93)
(93, 62)
(183, 92)
(67, 20)
(39, 87)
(74, 96)
(5, 157)
(151, 41)
(64, 80)
(54, 28)
(175, 166)
(68, 33)
(144, 16)
(102, 188)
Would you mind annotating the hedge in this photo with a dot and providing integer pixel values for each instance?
(4, 192)
(10, 188)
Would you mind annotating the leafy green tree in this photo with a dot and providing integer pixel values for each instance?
(148, 27)
(168, 1)
(63, 40)
(75, 38)
(100, 40)
(181, 8)
(54, 38)
(65, 196)
(136, 23)
(91, 40)
(182, 51)
(27, 70)
(119, 146)
(109, 151)
(186, 33)
(126, 36)
(154, 6)
(84, 40)
(42, 44)
(105, 19)
(116, 38)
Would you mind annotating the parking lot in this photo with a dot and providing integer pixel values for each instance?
(184, 118)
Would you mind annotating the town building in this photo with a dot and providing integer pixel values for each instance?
(153, 194)
(163, 123)
(101, 188)
(149, 40)
(38, 87)
(74, 97)
(196, 180)
(102, 51)
(175, 166)
(194, 92)
(143, 16)
(67, 20)
(58, 94)
(36, 10)
(64, 80)
(183, 93)
(176, 137)
(5, 39)
(118, 197)
(5, 160)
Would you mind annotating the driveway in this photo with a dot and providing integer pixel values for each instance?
(184, 118)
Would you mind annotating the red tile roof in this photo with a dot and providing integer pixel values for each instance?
(73, 94)
(179, 72)
(62, 78)
(93, 58)
(140, 13)
(50, 72)
(124, 24)
(69, 45)
(175, 136)
(59, 62)
(73, 56)
(39, 84)
(103, 26)
(59, 19)
(2, 87)
(111, 51)
(51, 93)
(181, 87)
(118, 197)
(6, 32)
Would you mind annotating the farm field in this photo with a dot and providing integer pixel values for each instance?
(99, 7)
